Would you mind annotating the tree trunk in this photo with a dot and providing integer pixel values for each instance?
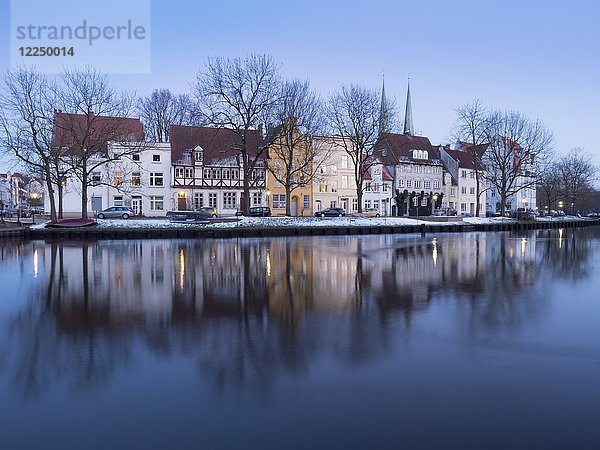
(50, 195)
(288, 199)
(84, 187)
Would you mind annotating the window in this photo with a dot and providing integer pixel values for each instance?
(198, 156)
(384, 187)
(118, 178)
(424, 201)
(368, 186)
(472, 191)
(344, 162)
(212, 200)
(463, 190)
(136, 178)
(118, 200)
(367, 203)
(198, 200)
(156, 158)
(384, 152)
(306, 202)
(417, 184)
(436, 184)
(189, 172)
(207, 173)
(463, 207)
(354, 204)
(472, 174)
(95, 177)
(322, 188)
(256, 198)
(178, 172)
(452, 192)
(156, 203)
(333, 204)
(427, 184)
(156, 179)
(463, 174)
(333, 170)
(229, 200)
(376, 204)
(135, 157)
(400, 183)
(409, 183)
(344, 181)
(278, 201)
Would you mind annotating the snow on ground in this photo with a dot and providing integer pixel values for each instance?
(298, 222)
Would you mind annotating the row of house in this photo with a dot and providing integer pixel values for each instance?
(202, 167)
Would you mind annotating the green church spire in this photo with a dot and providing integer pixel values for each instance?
(384, 113)
(408, 118)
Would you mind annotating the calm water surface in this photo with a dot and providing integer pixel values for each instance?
(445, 341)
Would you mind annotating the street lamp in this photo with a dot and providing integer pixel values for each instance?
(560, 204)
(268, 195)
(34, 197)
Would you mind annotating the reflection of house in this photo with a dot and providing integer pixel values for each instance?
(335, 183)
(208, 170)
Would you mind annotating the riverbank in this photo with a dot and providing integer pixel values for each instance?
(284, 226)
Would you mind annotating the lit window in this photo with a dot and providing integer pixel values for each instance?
(135, 178)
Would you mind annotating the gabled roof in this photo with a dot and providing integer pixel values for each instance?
(216, 143)
(73, 130)
(479, 149)
(399, 148)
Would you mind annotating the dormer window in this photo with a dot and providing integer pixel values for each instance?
(198, 156)
(384, 152)
(420, 154)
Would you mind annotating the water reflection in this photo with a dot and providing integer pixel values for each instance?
(249, 310)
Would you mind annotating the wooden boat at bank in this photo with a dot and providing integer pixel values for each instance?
(73, 222)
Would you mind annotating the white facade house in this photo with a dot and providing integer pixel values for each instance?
(378, 189)
(334, 185)
(208, 169)
(417, 170)
(140, 180)
(460, 182)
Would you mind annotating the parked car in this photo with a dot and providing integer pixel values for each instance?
(256, 211)
(331, 212)
(210, 211)
(371, 212)
(114, 212)
(445, 211)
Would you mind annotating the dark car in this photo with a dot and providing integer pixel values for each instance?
(114, 212)
(331, 212)
(256, 211)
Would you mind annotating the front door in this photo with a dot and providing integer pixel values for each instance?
(181, 201)
(294, 207)
(136, 205)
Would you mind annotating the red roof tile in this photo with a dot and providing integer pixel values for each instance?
(216, 143)
(75, 130)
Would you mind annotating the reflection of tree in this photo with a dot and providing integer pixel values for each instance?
(566, 252)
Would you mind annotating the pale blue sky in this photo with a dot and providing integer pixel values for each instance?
(537, 57)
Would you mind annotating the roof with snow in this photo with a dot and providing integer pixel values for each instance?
(392, 148)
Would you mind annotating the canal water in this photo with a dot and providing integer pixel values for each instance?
(478, 340)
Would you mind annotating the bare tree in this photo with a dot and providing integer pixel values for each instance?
(353, 113)
(517, 148)
(160, 110)
(27, 123)
(92, 127)
(577, 174)
(239, 94)
(549, 186)
(470, 129)
(294, 156)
